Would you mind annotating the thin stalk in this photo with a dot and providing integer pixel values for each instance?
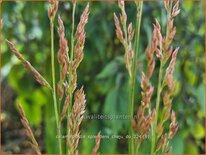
(72, 34)
(168, 18)
(137, 147)
(133, 76)
(159, 89)
(70, 68)
(157, 108)
(54, 87)
(71, 55)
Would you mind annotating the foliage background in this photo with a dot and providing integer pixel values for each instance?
(102, 73)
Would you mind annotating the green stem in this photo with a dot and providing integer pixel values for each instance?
(133, 76)
(72, 34)
(159, 89)
(54, 86)
(71, 56)
(70, 67)
(137, 147)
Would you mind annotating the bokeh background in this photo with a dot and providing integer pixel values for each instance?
(102, 73)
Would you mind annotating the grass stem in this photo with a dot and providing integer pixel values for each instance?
(54, 87)
(70, 67)
(154, 128)
(72, 54)
(133, 76)
(159, 89)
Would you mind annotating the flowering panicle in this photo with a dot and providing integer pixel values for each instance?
(39, 78)
(168, 81)
(79, 46)
(80, 36)
(68, 66)
(52, 10)
(63, 50)
(144, 118)
(29, 132)
(98, 140)
(150, 51)
(173, 126)
(65, 107)
(62, 57)
(125, 35)
(159, 47)
(164, 140)
(171, 29)
(67, 83)
(75, 120)
(143, 122)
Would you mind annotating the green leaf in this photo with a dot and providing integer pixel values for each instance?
(109, 70)
(178, 144)
(50, 140)
(191, 148)
(198, 131)
(21, 83)
(109, 146)
(190, 72)
(88, 142)
(33, 105)
(200, 94)
(188, 5)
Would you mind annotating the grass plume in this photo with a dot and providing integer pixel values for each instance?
(39, 78)
(29, 132)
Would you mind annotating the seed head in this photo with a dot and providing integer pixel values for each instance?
(60, 90)
(39, 78)
(96, 147)
(29, 132)
(176, 10)
(130, 32)
(173, 126)
(62, 55)
(75, 120)
(53, 9)
(65, 107)
(118, 29)
(80, 37)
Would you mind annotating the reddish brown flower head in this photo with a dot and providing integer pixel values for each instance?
(173, 126)
(75, 120)
(130, 32)
(62, 55)
(80, 38)
(166, 4)
(60, 90)
(39, 78)
(98, 140)
(176, 10)
(53, 9)
(118, 29)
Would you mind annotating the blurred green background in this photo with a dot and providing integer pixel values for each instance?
(102, 73)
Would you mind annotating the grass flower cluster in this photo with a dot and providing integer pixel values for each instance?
(70, 102)
(149, 120)
(64, 91)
